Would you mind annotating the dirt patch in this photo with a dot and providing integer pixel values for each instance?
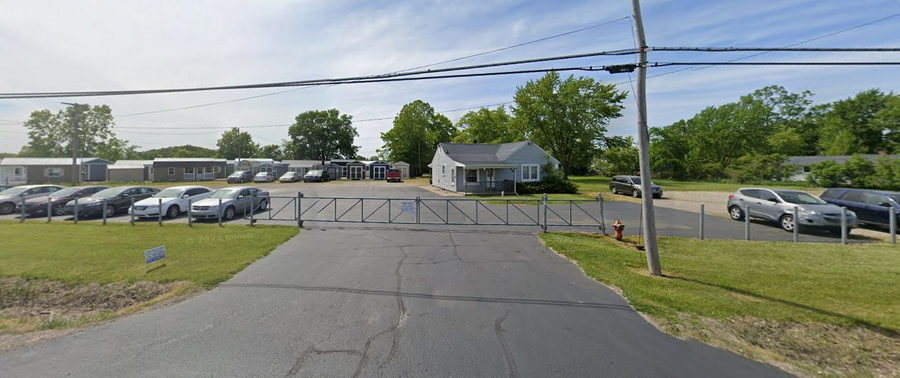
(804, 349)
(35, 310)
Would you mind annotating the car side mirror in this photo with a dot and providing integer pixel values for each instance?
(186, 196)
(885, 204)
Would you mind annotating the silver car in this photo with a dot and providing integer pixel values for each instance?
(235, 200)
(777, 205)
(11, 197)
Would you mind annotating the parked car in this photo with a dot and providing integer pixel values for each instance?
(240, 177)
(57, 200)
(777, 205)
(393, 175)
(235, 200)
(117, 199)
(11, 197)
(631, 185)
(316, 175)
(264, 177)
(174, 201)
(871, 206)
(289, 177)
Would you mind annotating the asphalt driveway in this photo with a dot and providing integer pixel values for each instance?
(391, 301)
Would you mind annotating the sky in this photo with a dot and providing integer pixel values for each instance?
(116, 45)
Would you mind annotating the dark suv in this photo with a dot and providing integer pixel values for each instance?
(631, 185)
(871, 206)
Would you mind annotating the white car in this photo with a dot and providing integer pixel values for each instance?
(174, 201)
(264, 177)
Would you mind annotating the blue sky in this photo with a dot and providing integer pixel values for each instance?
(89, 45)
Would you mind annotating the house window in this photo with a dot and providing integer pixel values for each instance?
(53, 172)
(530, 172)
(471, 175)
(189, 170)
(443, 170)
(217, 169)
(171, 171)
(453, 177)
(17, 171)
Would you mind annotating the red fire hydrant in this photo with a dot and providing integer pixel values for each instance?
(618, 227)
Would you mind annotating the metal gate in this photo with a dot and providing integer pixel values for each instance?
(543, 212)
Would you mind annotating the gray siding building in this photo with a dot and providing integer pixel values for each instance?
(485, 168)
(188, 169)
(21, 171)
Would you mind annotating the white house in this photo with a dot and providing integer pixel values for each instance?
(483, 168)
(803, 164)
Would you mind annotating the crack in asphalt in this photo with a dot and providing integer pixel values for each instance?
(394, 329)
(510, 363)
(301, 360)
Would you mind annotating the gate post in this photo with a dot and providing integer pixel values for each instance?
(103, 203)
(23, 210)
(418, 218)
(892, 225)
(219, 211)
(476, 210)
(299, 210)
(602, 220)
(843, 224)
(252, 208)
(75, 210)
(131, 212)
(545, 212)
(50, 210)
(702, 213)
(159, 212)
(747, 222)
(190, 222)
(796, 224)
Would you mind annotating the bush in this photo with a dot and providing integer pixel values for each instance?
(551, 182)
(857, 172)
(755, 168)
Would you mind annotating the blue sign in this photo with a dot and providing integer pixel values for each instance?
(155, 254)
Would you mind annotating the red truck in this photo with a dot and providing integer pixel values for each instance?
(393, 175)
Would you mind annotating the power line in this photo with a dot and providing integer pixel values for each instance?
(664, 64)
(351, 79)
(803, 42)
(408, 69)
(777, 49)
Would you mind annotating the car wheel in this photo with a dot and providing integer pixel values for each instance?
(7, 208)
(636, 193)
(60, 210)
(229, 213)
(173, 212)
(787, 222)
(736, 213)
(110, 210)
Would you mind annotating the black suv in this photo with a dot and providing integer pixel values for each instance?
(871, 206)
(240, 176)
(631, 185)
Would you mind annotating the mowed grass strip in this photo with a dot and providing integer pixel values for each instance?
(829, 283)
(591, 185)
(811, 309)
(93, 253)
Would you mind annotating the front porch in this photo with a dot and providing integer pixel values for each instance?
(487, 180)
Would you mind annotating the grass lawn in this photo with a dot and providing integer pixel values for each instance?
(93, 253)
(592, 185)
(820, 308)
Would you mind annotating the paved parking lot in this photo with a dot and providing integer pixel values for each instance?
(670, 222)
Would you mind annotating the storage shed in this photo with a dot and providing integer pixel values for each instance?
(130, 171)
(403, 167)
(378, 170)
(21, 171)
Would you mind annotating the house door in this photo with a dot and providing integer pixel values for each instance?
(356, 172)
(378, 173)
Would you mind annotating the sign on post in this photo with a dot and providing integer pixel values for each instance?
(154, 254)
(407, 207)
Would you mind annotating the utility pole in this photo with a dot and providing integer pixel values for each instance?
(649, 219)
(76, 170)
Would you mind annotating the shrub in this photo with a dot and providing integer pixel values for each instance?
(755, 168)
(551, 182)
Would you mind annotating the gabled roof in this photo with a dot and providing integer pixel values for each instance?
(130, 164)
(191, 160)
(485, 154)
(50, 161)
(302, 163)
(401, 162)
(809, 160)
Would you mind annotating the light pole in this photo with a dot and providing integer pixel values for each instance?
(76, 171)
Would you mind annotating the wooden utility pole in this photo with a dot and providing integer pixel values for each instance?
(76, 171)
(648, 219)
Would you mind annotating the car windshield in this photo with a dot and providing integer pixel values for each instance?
(169, 193)
(895, 197)
(262, 174)
(237, 174)
(800, 198)
(224, 194)
(12, 191)
(314, 173)
(66, 192)
(111, 192)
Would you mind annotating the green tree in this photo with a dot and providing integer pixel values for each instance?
(788, 141)
(415, 135)
(859, 171)
(618, 160)
(269, 151)
(322, 135)
(235, 143)
(185, 151)
(485, 126)
(886, 174)
(50, 134)
(888, 120)
(855, 118)
(755, 168)
(827, 174)
(567, 117)
(669, 149)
